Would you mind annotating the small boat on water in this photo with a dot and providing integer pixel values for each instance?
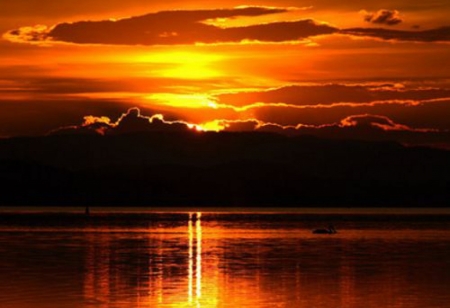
(329, 230)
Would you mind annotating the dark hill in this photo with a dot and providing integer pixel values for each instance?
(219, 169)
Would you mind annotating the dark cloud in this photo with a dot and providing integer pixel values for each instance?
(377, 121)
(174, 27)
(42, 85)
(184, 27)
(418, 114)
(61, 86)
(309, 95)
(384, 17)
(379, 128)
(433, 35)
(45, 9)
(241, 125)
(130, 122)
(133, 121)
(368, 127)
(38, 116)
(314, 105)
(372, 127)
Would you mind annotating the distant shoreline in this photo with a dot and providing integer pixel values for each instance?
(234, 210)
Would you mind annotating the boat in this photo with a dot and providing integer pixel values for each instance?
(329, 230)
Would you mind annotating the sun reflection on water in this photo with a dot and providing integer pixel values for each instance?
(191, 260)
(194, 218)
(194, 261)
(198, 228)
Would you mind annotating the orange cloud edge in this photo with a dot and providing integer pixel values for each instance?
(372, 127)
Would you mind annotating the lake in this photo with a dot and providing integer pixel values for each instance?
(175, 258)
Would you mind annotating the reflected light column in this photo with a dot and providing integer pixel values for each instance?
(198, 228)
(197, 258)
(191, 259)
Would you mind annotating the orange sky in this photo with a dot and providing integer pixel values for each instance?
(378, 69)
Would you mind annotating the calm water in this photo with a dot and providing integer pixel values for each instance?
(223, 260)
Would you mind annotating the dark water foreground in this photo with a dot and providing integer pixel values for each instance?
(146, 259)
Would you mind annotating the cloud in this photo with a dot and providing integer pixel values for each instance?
(368, 127)
(441, 34)
(38, 33)
(377, 121)
(34, 116)
(331, 94)
(371, 121)
(324, 104)
(371, 127)
(384, 17)
(174, 27)
(308, 105)
(130, 122)
(133, 121)
(187, 27)
(38, 83)
(379, 127)
(418, 114)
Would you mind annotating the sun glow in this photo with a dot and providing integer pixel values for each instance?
(213, 126)
(183, 64)
(183, 100)
(179, 57)
(189, 71)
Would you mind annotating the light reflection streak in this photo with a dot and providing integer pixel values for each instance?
(191, 259)
(198, 228)
(160, 278)
(197, 259)
(98, 276)
(187, 264)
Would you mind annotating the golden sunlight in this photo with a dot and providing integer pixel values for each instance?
(183, 64)
(183, 100)
(145, 110)
(212, 126)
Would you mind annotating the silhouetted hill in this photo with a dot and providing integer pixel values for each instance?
(226, 169)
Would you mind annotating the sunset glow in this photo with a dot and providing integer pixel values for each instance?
(277, 63)
(201, 154)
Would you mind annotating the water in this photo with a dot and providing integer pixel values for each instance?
(143, 259)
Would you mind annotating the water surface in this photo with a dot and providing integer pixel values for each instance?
(147, 259)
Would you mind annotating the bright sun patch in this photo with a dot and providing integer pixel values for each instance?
(183, 100)
(183, 64)
(212, 126)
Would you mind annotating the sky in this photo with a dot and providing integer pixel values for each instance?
(375, 70)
